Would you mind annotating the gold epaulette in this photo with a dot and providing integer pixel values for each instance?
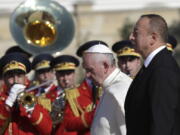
(71, 96)
(45, 102)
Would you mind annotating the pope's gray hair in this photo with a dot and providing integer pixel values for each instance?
(100, 57)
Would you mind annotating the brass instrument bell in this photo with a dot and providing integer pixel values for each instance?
(28, 100)
(42, 26)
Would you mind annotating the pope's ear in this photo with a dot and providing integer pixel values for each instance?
(105, 66)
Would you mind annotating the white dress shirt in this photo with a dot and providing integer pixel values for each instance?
(152, 55)
(109, 116)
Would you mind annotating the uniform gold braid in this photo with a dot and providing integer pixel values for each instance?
(39, 120)
(78, 106)
(126, 51)
(84, 120)
(14, 65)
(71, 95)
(42, 64)
(81, 113)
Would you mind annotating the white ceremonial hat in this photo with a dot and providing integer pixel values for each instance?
(99, 48)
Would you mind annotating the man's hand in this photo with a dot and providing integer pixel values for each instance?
(14, 91)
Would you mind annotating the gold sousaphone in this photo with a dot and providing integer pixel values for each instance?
(42, 26)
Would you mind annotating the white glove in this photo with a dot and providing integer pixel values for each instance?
(14, 91)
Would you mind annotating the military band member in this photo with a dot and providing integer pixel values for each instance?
(65, 67)
(15, 117)
(129, 60)
(43, 74)
(14, 49)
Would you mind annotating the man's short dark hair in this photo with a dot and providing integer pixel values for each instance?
(158, 24)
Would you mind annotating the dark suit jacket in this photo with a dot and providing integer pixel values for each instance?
(152, 105)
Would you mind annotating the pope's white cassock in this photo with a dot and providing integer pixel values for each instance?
(109, 117)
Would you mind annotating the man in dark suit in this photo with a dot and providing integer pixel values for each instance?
(152, 105)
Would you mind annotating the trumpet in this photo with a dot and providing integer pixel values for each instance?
(27, 99)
